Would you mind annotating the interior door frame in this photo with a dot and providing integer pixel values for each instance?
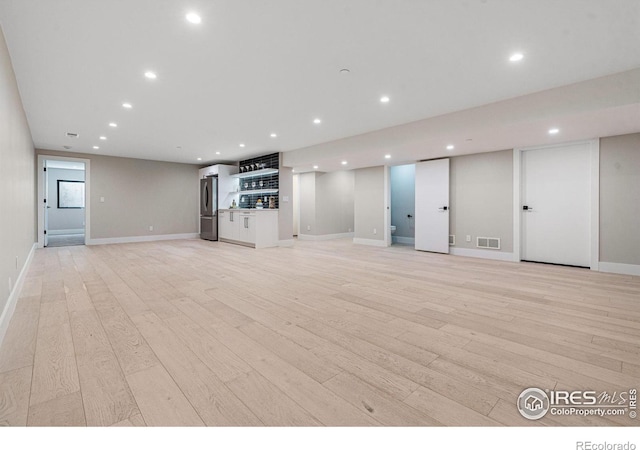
(594, 231)
(87, 195)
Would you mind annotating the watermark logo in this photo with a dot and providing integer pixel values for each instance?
(533, 403)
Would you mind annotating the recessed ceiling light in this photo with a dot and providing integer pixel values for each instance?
(315, 167)
(384, 99)
(387, 156)
(516, 57)
(113, 125)
(317, 121)
(450, 147)
(217, 153)
(554, 131)
(127, 105)
(103, 138)
(95, 147)
(242, 145)
(344, 163)
(273, 135)
(193, 18)
(150, 75)
(199, 159)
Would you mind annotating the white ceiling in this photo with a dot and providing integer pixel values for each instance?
(254, 67)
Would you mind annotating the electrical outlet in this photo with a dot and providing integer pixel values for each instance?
(150, 227)
(349, 230)
(308, 227)
(101, 199)
(375, 231)
(468, 238)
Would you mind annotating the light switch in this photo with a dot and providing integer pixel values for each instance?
(101, 199)
(285, 198)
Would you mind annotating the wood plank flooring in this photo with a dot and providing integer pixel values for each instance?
(193, 333)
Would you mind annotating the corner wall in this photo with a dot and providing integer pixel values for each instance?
(17, 188)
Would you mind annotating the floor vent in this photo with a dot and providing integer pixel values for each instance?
(487, 242)
(452, 239)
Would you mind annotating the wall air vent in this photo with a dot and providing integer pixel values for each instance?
(72, 135)
(452, 239)
(487, 242)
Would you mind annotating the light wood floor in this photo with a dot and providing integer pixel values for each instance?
(326, 333)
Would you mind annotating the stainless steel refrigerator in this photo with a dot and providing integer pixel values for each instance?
(209, 208)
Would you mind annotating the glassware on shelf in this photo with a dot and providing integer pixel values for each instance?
(246, 185)
(253, 185)
(261, 184)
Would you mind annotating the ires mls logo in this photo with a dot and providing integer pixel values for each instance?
(534, 403)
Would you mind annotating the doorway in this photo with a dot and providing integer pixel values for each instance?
(558, 203)
(63, 201)
(403, 194)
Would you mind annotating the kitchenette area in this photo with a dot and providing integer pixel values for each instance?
(239, 204)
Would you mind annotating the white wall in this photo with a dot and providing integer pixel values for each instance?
(620, 199)
(17, 187)
(334, 202)
(369, 205)
(63, 219)
(285, 203)
(481, 198)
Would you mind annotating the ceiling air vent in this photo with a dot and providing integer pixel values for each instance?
(67, 147)
(487, 242)
(452, 239)
(72, 135)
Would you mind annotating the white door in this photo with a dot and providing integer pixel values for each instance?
(432, 206)
(556, 205)
(46, 205)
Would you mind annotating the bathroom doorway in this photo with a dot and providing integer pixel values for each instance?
(403, 194)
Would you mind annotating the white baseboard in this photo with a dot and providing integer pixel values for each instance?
(10, 307)
(71, 231)
(403, 240)
(286, 243)
(479, 253)
(624, 269)
(324, 237)
(371, 242)
(130, 239)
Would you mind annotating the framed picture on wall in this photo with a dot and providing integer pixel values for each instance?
(70, 194)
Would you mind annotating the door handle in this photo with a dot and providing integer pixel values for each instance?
(444, 208)
(527, 208)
